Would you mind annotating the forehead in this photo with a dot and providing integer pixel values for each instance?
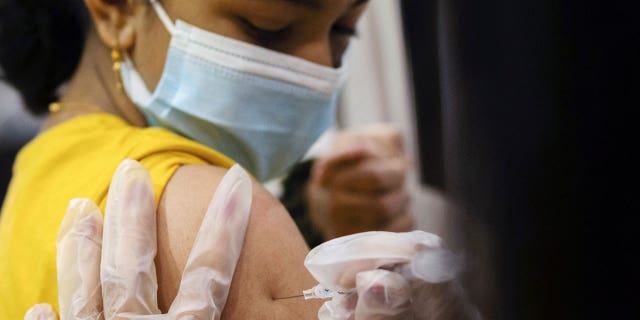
(319, 4)
(207, 13)
(311, 4)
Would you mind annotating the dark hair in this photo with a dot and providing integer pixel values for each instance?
(40, 46)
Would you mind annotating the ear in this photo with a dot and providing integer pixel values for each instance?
(114, 23)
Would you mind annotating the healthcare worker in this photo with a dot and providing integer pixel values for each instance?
(183, 88)
(111, 274)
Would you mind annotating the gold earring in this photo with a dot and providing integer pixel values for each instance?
(116, 57)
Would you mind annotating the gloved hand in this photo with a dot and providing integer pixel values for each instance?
(384, 275)
(109, 273)
(359, 185)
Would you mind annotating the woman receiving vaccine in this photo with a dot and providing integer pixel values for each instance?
(187, 89)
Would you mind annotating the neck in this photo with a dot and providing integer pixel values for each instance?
(94, 83)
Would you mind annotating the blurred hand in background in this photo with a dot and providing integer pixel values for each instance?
(360, 184)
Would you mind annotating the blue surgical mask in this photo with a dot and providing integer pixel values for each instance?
(261, 108)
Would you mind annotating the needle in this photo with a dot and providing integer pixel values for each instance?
(290, 297)
(317, 292)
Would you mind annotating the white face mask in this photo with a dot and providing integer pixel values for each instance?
(261, 108)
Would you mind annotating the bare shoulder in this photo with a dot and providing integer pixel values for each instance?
(271, 262)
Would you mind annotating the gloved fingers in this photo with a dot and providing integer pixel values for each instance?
(437, 265)
(339, 308)
(382, 294)
(336, 263)
(373, 175)
(41, 312)
(78, 250)
(207, 275)
(128, 273)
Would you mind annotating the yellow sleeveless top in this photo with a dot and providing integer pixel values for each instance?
(74, 159)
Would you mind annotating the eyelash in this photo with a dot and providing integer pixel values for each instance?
(268, 35)
(262, 34)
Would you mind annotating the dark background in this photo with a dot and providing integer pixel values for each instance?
(525, 120)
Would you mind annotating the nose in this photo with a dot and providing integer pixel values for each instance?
(317, 51)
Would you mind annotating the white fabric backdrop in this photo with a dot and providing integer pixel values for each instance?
(380, 90)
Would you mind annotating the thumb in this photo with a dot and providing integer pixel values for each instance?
(41, 312)
(382, 294)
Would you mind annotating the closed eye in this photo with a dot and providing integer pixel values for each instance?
(262, 34)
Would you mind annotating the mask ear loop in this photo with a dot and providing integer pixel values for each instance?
(132, 83)
(164, 17)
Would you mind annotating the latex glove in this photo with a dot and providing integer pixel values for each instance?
(383, 275)
(110, 273)
(359, 185)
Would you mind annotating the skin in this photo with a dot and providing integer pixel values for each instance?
(273, 248)
(271, 262)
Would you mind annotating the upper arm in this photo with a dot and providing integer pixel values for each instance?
(271, 262)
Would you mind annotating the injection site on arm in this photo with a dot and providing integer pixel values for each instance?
(273, 247)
